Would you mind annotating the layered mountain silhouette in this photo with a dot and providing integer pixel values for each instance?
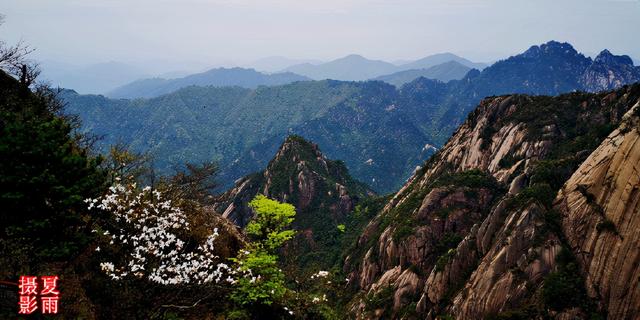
(440, 58)
(358, 68)
(278, 63)
(350, 68)
(353, 67)
(90, 79)
(381, 132)
(445, 72)
(219, 77)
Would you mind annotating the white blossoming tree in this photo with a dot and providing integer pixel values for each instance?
(148, 237)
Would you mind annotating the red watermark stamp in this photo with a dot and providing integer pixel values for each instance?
(29, 294)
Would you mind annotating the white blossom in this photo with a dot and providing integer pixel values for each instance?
(149, 236)
(320, 274)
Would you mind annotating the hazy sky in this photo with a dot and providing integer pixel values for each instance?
(212, 32)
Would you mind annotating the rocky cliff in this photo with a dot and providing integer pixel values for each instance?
(529, 211)
(608, 72)
(322, 191)
(600, 207)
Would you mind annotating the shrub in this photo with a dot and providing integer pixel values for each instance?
(470, 179)
(540, 192)
(444, 259)
(564, 288)
(606, 225)
(379, 299)
(448, 241)
(508, 161)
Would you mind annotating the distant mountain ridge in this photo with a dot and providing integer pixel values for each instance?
(440, 58)
(358, 68)
(597, 77)
(381, 132)
(91, 79)
(445, 72)
(219, 77)
(278, 63)
(350, 68)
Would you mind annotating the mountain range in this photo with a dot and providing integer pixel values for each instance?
(445, 72)
(440, 58)
(358, 68)
(278, 63)
(443, 67)
(380, 131)
(350, 68)
(219, 77)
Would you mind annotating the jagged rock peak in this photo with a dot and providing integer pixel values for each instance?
(550, 48)
(607, 57)
(296, 148)
(299, 174)
(321, 189)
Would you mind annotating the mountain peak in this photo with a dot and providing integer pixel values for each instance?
(550, 48)
(295, 149)
(353, 67)
(606, 57)
(354, 57)
(322, 191)
(440, 58)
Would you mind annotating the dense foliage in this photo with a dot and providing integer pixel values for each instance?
(45, 174)
(264, 282)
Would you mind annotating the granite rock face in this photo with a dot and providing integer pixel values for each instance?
(298, 174)
(322, 191)
(476, 231)
(608, 72)
(600, 207)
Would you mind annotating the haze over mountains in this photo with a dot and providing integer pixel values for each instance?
(358, 68)
(443, 67)
(380, 131)
(123, 80)
(445, 72)
(94, 79)
(221, 77)
(278, 63)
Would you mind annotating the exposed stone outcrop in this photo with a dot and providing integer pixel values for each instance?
(299, 174)
(506, 234)
(521, 255)
(600, 206)
(322, 191)
(608, 72)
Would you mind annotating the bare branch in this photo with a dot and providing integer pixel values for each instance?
(13, 60)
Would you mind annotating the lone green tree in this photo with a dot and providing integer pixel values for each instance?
(262, 286)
